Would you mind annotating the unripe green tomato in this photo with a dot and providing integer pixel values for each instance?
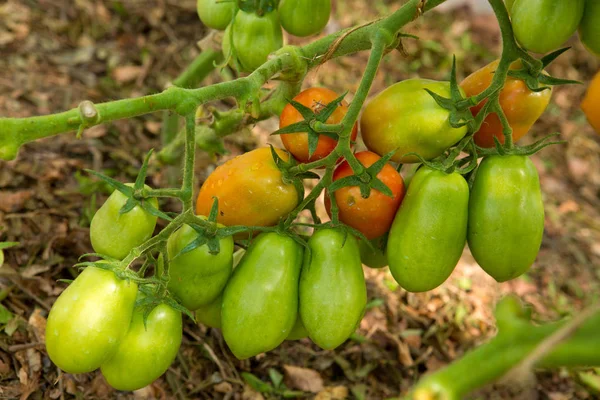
(304, 17)
(509, 4)
(544, 25)
(333, 293)
(260, 302)
(589, 27)
(375, 257)
(298, 331)
(88, 320)
(115, 234)
(215, 14)
(429, 232)
(146, 352)
(197, 277)
(1, 258)
(255, 37)
(404, 117)
(506, 216)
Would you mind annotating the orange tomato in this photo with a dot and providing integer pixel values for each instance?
(297, 143)
(250, 190)
(591, 103)
(521, 106)
(374, 215)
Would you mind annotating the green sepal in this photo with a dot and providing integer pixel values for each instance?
(140, 180)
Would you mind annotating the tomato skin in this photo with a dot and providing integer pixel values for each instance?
(591, 103)
(506, 216)
(429, 232)
(146, 352)
(197, 277)
(589, 27)
(88, 320)
(377, 258)
(297, 143)
(250, 190)
(298, 330)
(521, 106)
(255, 37)
(210, 314)
(260, 302)
(544, 25)
(333, 293)
(304, 17)
(372, 216)
(405, 117)
(115, 234)
(215, 14)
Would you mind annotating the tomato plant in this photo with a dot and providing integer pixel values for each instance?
(544, 25)
(333, 294)
(521, 106)
(297, 143)
(88, 320)
(506, 216)
(115, 234)
(405, 118)
(304, 17)
(254, 37)
(372, 216)
(298, 330)
(260, 302)
(589, 27)
(146, 350)
(215, 14)
(250, 190)
(591, 103)
(197, 277)
(429, 232)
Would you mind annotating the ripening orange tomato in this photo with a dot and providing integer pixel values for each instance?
(374, 215)
(250, 190)
(297, 143)
(521, 106)
(591, 103)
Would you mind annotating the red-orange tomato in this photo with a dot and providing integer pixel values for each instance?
(297, 143)
(591, 103)
(250, 189)
(374, 215)
(521, 106)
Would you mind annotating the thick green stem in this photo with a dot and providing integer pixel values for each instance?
(188, 169)
(191, 77)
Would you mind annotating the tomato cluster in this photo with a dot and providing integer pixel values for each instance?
(252, 34)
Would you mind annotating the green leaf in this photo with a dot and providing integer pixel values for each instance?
(256, 383)
(276, 377)
(5, 245)
(5, 315)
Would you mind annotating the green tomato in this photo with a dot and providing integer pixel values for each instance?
(429, 232)
(255, 37)
(304, 17)
(114, 234)
(210, 314)
(509, 4)
(298, 331)
(260, 302)
(197, 277)
(544, 25)
(333, 293)
(145, 352)
(215, 14)
(404, 117)
(1, 258)
(88, 320)
(506, 216)
(589, 27)
(376, 258)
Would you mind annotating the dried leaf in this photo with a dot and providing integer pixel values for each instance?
(305, 379)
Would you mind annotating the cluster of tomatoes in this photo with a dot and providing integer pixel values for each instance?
(253, 32)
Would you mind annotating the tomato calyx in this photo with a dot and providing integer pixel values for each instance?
(150, 296)
(260, 7)
(534, 76)
(315, 123)
(136, 194)
(367, 180)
